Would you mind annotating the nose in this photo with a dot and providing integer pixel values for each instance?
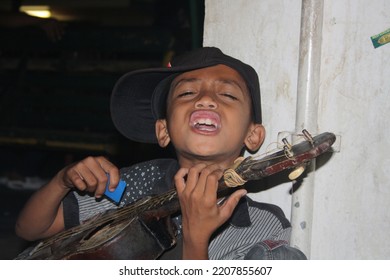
(206, 101)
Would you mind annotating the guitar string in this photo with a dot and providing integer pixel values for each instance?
(118, 215)
(233, 179)
(268, 149)
(170, 194)
(122, 212)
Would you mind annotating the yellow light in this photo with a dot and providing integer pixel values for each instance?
(36, 11)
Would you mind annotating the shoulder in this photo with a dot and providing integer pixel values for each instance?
(269, 211)
(148, 178)
(154, 168)
(267, 222)
(150, 172)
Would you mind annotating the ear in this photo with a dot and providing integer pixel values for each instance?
(162, 134)
(255, 137)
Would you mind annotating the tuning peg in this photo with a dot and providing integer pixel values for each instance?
(287, 148)
(307, 136)
(297, 172)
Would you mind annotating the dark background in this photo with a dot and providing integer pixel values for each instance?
(54, 95)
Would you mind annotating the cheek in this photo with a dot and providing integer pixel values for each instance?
(175, 121)
(174, 115)
(240, 125)
(242, 118)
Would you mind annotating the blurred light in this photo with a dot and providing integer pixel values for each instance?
(36, 11)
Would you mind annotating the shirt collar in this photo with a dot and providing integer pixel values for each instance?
(240, 216)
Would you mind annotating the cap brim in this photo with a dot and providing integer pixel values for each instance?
(131, 109)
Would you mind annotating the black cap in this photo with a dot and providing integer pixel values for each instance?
(139, 97)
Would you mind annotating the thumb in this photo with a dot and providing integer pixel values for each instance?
(228, 206)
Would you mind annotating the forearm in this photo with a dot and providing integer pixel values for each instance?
(42, 215)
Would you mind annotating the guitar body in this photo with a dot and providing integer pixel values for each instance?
(128, 233)
(130, 240)
(144, 229)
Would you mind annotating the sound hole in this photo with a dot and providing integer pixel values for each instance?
(102, 234)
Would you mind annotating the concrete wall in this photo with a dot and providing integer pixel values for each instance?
(351, 191)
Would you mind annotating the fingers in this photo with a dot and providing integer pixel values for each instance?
(227, 208)
(90, 175)
(112, 170)
(200, 180)
(197, 189)
(94, 176)
(180, 179)
(200, 183)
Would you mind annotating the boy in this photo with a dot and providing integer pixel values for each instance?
(207, 105)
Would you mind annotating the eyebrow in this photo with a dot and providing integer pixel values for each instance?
(235, 83)
(224, 81)
(184, 80)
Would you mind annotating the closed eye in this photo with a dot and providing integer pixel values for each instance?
(187, 93)
(229, 96)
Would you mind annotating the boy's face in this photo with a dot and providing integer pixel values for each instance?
(209, 114)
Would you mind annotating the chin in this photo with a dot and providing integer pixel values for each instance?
(208, 154)
(206, 148)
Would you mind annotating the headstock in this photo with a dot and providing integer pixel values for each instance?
(295, 157)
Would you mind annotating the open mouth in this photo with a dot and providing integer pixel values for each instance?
(205, 121)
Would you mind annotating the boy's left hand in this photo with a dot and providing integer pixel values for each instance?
(201, 215)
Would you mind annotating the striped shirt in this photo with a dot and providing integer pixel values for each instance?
(252, 222)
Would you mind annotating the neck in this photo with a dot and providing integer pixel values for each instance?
(190, 161)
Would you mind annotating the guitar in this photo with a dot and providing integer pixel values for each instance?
(144, 230)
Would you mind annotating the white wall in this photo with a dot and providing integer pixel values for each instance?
(352, 190)
(265, 35)
(352, 219)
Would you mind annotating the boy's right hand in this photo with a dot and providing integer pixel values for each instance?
(90, 174)
(43, 216)
(201, 214)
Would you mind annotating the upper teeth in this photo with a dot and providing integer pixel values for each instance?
(204, 121)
